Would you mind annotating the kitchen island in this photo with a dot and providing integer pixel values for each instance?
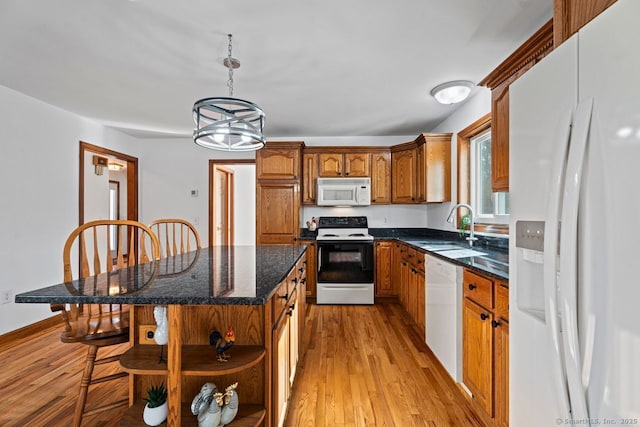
(257, 290)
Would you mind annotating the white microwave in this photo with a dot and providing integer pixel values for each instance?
(344, 192)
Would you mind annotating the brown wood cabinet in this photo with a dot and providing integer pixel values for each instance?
(477, 353)
(289, 313)
(278, 200)
(411, 286)
(384, 283)
(278, 160)
(309, 178)
(278, 213)
(438, 167)
(380, 177)
(500, 137)
(335, 164)
(501, 354)
(421, 170)
(311, 266)
(526, 56)
(403, 174)
(485, 344)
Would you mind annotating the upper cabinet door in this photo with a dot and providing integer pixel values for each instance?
(438, 169)
(330, 165)
(403, 172)
(356, 164)
(500, 137)
(278, 163)
(381, 178)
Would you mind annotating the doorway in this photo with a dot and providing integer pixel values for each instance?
(119, 175)
(232, 202)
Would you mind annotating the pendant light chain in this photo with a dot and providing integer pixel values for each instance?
(230, 66)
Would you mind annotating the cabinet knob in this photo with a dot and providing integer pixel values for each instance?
(347, 173)
(285, 296)
(373, 200)
(483, 316)
(294, 280)
(301, 269)
(339, 173)
(472, 286)
(495, 324)
(290, 313)
(292, 306)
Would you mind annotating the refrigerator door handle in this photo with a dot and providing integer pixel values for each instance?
(568, 285)
(550, 269)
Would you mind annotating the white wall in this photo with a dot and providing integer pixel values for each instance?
(244, 198)
(169, 170)
(476, 107)
(39, 146)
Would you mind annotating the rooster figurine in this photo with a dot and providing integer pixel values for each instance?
(221, 343)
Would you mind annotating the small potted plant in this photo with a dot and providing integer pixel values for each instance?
(155, 411)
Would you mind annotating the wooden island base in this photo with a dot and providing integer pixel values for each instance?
(256, 361)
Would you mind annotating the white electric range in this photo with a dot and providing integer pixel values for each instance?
(345, 261)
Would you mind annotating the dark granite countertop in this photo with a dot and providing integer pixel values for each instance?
(484, 259)
(219, 275)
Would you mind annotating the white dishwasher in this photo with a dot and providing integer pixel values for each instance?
(444, 313)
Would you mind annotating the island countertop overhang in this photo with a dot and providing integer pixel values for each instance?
(218, 275)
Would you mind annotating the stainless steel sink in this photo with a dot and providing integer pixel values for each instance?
(460, 253)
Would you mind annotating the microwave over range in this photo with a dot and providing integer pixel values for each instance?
(344, 192)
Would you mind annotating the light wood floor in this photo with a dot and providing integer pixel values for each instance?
(367, 366)
(363, 366)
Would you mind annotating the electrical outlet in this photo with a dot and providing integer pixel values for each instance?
(146, 334)
(6, 296)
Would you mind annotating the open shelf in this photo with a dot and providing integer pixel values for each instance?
(196, 360)
(201, 359)
(144, 359)
(249, 415)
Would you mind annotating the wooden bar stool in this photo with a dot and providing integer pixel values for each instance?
(176, 236)
(102, 248)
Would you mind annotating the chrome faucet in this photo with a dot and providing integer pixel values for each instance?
(452, 216)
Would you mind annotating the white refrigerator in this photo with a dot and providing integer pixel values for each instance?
(574, 309)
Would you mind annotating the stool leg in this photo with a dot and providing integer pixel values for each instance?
(84, 385)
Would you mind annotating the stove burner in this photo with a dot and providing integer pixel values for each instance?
(330, 235)
(356, 235)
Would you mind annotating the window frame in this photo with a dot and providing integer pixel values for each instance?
(464, 138)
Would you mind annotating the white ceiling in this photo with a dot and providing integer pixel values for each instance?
(317, 68)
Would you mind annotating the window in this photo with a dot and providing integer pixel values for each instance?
(474, 179)
(489, 207)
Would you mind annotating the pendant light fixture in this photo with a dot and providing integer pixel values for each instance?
(228, 123)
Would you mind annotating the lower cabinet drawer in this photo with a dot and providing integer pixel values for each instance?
(479, 289)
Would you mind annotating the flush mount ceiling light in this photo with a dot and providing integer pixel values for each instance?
(452, 92)
(228, 123)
